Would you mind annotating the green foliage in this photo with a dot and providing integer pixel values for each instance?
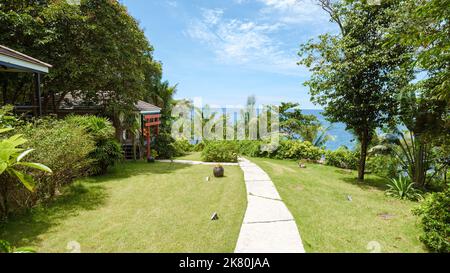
(107, 150)
(7, 119)
(182, 147)
(11, 156)
(250, 148)
(383, 165)
(199, 147)
(72, 39)
(293, 149)
(342, 158)
(402, 188)
(435, 215)
(220, 151)
(107, 153)
(64, 147)
(5, 247)
(99, 128)
(164, 145)
(424, 26)
(354, 75)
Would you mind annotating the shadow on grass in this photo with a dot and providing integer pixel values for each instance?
(88, 194)
(23, 230)
(136, 168)
(370, 183)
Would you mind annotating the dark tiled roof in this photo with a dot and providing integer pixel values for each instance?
(14, 54)
(143, 106)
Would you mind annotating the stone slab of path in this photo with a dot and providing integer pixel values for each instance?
(268, 226)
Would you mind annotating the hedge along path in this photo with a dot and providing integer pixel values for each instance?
(268, 226)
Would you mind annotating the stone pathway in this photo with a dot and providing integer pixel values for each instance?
(268, 225)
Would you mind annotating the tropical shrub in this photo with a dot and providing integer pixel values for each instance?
(402, 188)
(13, 166)
(164, 145)
(342, 158)
(7, 119)
(435, 218)
(107, 150)
(383, 165)
(220, 151)
(106, 153)
(250, 148)
(182, 147)
(199, 146)
(293, 149)
(64, 147)
(5, 247)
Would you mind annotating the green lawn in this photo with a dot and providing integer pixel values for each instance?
(139, 207)
(328, 222)
(195, 156)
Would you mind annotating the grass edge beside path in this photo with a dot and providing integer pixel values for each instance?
(328, 222)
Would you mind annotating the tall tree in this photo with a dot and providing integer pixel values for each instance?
(296, 125)
(354, 76)
(98, 52)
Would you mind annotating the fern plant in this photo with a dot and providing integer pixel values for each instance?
(403, 188)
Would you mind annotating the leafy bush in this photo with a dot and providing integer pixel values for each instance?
(164, 145)
(5, 247)
(435, 214)
(383, 165)
(250, 148)
(107, 150)
(12, 166)
(62, 146)
(199, 146)
(342, 158)
(293, 149)
(7, 119)
(182, 147)
(402, 188)
(220, 151)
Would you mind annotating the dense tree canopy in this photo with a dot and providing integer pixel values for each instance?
(98, 52)
(354, 75)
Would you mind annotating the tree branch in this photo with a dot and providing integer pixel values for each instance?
(327, 6)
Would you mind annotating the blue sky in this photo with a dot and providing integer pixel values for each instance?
(222, 51)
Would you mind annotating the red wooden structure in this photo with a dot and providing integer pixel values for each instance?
(150, 121)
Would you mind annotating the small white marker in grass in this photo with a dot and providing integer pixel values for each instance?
(207, 179)
(215, 217)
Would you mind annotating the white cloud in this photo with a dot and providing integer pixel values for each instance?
(294, 11)
(243, 42)
(172, 3)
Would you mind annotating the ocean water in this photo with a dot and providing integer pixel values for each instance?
(337, 131)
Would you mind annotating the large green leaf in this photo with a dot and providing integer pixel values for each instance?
(26, 179)
(3, 166)
(25, 250)
(24, 154)
(38, 166)
(4, 130)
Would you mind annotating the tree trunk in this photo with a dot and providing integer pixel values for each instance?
(363, 155)
(5, 91)
(4, 198)
(419, 175)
